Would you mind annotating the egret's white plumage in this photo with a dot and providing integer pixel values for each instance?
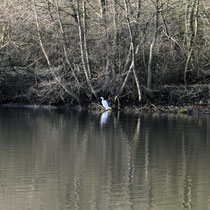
(105, 103)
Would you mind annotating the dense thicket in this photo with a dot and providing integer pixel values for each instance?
(64, 51)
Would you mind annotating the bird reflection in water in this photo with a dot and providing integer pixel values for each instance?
(104, 118)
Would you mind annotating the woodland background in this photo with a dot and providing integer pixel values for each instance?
(74, 51)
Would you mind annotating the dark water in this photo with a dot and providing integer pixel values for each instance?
(78, 160)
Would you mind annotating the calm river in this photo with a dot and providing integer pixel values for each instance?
(60, 159)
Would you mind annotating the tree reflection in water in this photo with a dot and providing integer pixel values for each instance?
(86, 160)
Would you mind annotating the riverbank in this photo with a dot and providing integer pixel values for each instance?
(166, 99)
(151, 108)
(191, 109)
(148, 108)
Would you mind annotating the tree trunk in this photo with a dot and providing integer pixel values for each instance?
(152, 47)
(85, 39)
(191, 27)
(83, 51)
(4, 40)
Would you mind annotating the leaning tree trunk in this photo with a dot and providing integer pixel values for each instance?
(131, 57)
(133, 51)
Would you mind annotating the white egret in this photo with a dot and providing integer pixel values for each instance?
(105, 103)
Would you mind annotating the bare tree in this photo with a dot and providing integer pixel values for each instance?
(58, 80)
(83, 48)
(131, 58)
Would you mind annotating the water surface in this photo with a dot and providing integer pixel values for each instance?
(59, 159)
